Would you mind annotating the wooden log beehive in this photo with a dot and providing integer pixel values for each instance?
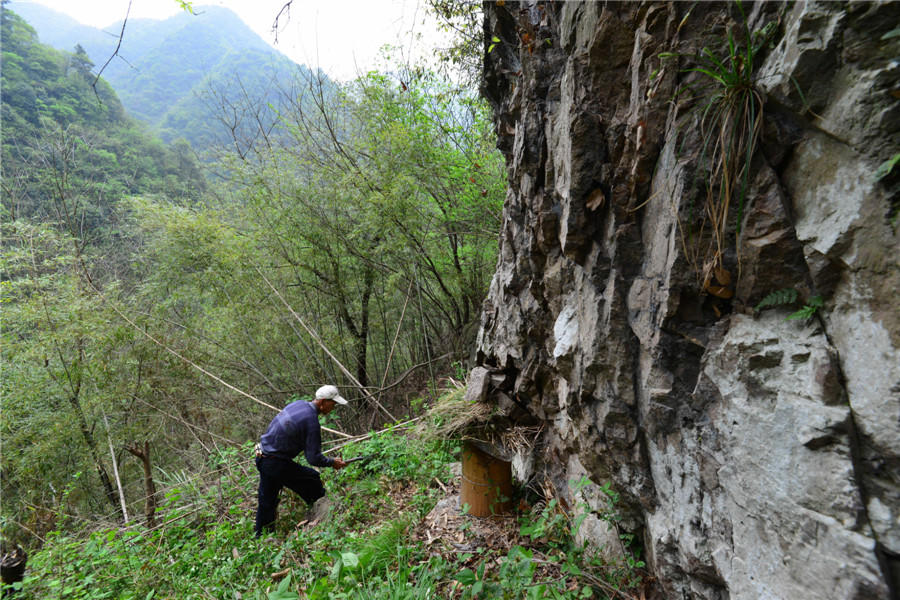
(486, 482)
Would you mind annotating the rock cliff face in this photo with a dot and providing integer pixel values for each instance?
(756, 457)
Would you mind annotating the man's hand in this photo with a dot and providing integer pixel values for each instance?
(338, 464)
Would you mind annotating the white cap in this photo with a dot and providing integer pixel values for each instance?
(329, 392)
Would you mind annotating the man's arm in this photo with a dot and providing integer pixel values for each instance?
(313, 447)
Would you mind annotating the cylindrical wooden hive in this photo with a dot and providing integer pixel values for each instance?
(486, 482)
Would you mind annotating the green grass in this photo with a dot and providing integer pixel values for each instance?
(205, 549)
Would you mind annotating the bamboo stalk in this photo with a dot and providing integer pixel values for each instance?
(396, 336)
(115, 465)
(424, 333)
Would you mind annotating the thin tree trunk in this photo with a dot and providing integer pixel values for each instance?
(92, 448)
(424, 333)
(149, 486)
(362, 340)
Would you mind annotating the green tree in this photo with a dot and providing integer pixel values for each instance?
(81, 62)
(49, 337)
(373, 186)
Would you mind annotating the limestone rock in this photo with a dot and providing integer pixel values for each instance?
(477, 387)
(754, 457)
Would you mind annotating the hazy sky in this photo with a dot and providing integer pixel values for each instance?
(332, 34)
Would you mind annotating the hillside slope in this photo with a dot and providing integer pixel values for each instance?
(49, 110)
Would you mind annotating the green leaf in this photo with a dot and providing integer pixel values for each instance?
(282, 593)
(350, 559)
(466, 577)
(887, 166)
(778, 298)
(807, 312)
(277, 560)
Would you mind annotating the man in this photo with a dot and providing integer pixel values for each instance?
(295, 429)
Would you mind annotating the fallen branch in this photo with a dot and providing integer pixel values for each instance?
(360, 438)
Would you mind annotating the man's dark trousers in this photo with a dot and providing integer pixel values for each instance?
(276, 473)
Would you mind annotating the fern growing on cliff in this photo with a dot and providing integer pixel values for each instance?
(809, 309)
(787, 297)
(783, 297)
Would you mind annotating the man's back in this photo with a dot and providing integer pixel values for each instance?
(294, 430)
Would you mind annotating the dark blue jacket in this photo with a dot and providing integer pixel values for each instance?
(294, 430)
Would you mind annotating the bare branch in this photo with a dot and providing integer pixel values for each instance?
(114, 54)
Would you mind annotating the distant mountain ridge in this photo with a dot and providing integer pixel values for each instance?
(164, 68)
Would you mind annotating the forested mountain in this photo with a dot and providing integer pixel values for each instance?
(172, 74)
(53, 115)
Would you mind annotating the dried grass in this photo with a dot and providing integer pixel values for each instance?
(519, 438)
(453, 417)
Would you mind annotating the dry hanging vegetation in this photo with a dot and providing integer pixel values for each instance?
(727, 106)
(454, 417)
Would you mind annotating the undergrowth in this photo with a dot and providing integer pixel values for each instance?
(205, 547)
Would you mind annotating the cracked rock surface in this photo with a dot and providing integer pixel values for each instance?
(755, 457)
